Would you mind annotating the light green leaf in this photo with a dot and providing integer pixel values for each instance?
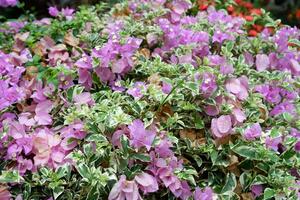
(10, 177)
(269, 193)
(84, 170)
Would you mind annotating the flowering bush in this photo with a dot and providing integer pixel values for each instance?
(146, 101)
(256, 18)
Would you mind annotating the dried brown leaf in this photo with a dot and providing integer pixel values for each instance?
(70, 39)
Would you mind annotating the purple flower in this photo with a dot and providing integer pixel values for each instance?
(163, 149)
(238, 116)
(68, 13)
(13, 151)
(269, 92)
(204, 194)
(262, 62)
(85, 78)
(117, 135)
(253, 132)
(137, 90)
(211, 110)
(248, 58)
(42, 111)
(273, 143)
(65, 81)
(295, 67)
(166, 175)
(84, 98)
(47, 149)
(85, 62)
(4, 192)
(284, 107)
(25, 143)
(6, 3)
(226, 68)
(166, 87)
(185, 59)
(140, 136)
(238, 87)
(124, 190)
(295, 133)
(185, 190)
(119, 66)
(24, 165)
(208, 85)
(222, 126)
(257, 190)
(53, 11)
(220, 37)
(146, 182)
(105, 74)
(71, 135)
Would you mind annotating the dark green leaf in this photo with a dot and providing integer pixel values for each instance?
(230, 183)
(247, 152)
(57, 191)
(141, 157)
(94, 193)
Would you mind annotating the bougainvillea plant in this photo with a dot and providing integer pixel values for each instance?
(148, 100)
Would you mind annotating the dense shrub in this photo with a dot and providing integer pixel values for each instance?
(148, 100)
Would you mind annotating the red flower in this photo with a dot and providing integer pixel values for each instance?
(230, 9)
(258, 27)
(249, 18)
(203, 7)
(248, 5)
(256, 11)
(252, 33)
(298, 14)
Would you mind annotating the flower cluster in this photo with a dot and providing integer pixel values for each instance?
(7, 3)
(149, 100)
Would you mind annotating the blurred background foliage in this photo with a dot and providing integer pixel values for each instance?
(286, 10)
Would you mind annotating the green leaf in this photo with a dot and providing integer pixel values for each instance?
(245, 180)
(247, 152)
(96, 138)
(199, 123)
(295, 41)
(287, 117)
(63, 171)
(269, 193)
(141, 157)
(230, 183)
(259, 179)
(84, 170)
(198, 160)
(94, 193)
(220, 159)
(57, 191)
(229, 46)
(263, 166)
(288, 154)
(125, 144)
(10, 177)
